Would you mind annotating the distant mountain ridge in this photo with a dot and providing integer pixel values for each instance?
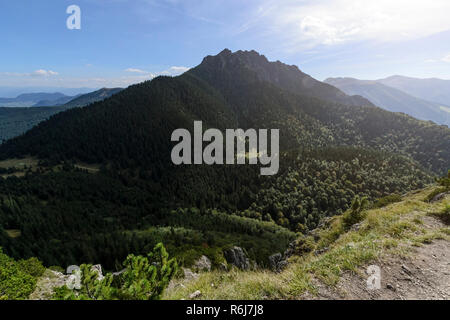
(15, 121)
(393, 99)
(99, 95)
(58, 102)
(30, 99)
(34, 97)
(13, 92)
(431, 89)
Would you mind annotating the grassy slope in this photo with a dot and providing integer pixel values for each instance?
(392, 230)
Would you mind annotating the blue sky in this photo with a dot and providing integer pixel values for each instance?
(123, 42)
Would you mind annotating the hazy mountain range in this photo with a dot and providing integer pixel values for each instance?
(393, 99)
(17, 120)
(35, 99)
(431, 89)
(58, 102)
(13, 92)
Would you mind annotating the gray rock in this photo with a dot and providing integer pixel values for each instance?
(406, 270)
(196, 294)
(390, 287)
(47, 283)
(189, 275)
(174, 284)
(277, 262)
(439, 196)
(98, 268)
(203, 264)
(237, 257)
(320, 251)
(118, 273)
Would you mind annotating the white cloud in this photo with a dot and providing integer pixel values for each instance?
(179, 69)
(49, 78)
(443, 59)
(327, 22)
(446, 58)
(37, 73)
(174, 70)
(44, 73)
(134, 70)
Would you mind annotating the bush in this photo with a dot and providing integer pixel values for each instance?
(18, 279)
(57, 269)
(444, 182)
(144, 278)
(434, 193)
(384, 201)
(32, 266)
(356, 213)
(304, 244)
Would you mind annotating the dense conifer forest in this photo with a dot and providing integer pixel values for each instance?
(333, 148)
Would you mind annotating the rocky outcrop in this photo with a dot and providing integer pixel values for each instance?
(277, 262)
(189, 274)
(237, 257)
(203, 264)
(98, 268)
(440, 196)
(195, 294)
(47, 283)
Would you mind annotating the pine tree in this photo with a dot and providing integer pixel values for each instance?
(144, 278)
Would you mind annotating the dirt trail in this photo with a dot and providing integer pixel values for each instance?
(424, 275)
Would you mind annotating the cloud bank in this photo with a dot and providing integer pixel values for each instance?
(329, 22)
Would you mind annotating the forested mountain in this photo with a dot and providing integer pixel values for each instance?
(393, 99)
(58, 102)
(16, 121)
(330, 152)
(85, 99)
(133, 127)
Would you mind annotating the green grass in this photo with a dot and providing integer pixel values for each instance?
(92, 168)
(19, 163)
(13, 233)
(384, 201)
(443, 215)
(17, 167)
(392, 229)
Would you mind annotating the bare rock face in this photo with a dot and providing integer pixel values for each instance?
(189, 275)
(237, 257)
(203, 264)
(277, 262)
(439, 196)
(98, 268)
(195, 294)
(47, 283)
